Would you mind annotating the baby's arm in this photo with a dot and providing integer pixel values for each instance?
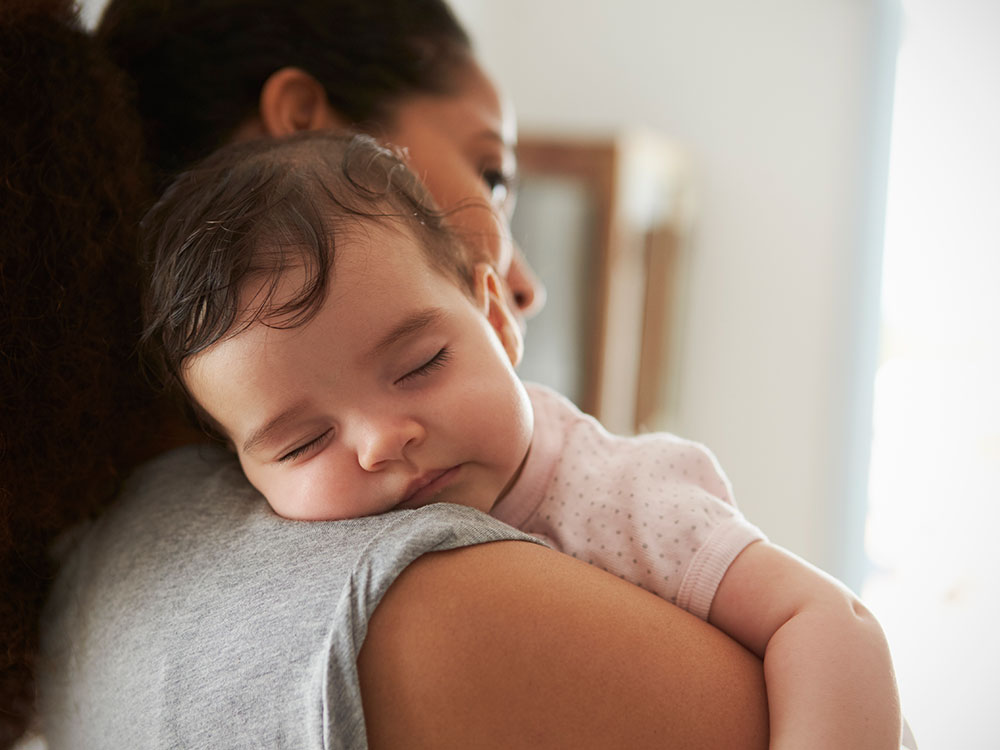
(830, 682)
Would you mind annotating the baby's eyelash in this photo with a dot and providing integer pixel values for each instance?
(305, 448)
(434, 363)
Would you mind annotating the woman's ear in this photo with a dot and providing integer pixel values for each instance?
(291, 101)
(492, 302)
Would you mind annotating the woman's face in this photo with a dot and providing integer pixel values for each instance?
(462, 146)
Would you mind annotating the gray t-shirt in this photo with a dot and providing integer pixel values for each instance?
(191, 616)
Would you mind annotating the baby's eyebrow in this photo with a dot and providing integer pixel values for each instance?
(263, 433)
(410, 325)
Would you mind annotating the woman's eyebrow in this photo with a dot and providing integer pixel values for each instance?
(493, 135)
(409, 326)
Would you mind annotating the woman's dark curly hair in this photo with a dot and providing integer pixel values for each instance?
(71, 398)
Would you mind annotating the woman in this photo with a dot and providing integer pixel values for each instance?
(209, 73)
(187, 614)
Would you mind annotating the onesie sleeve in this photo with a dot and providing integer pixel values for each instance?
(655, 510)
(660, 516)
(190, 615)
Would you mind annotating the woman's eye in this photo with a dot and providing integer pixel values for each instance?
(434, 363)
(305, 448)
(500, 185)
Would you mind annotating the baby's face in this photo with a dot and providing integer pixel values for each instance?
(398, 393)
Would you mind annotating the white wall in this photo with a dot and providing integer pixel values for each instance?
(782, 105)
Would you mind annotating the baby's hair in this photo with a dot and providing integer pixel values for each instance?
(251, 211)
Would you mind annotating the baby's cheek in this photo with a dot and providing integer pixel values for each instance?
(313, 491)
(324, 491)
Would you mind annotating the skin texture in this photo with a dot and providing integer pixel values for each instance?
(511, 645)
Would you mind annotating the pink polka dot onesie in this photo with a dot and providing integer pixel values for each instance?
(654, 509)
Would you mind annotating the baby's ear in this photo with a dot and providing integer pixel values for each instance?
(293, 101)
(491, 300)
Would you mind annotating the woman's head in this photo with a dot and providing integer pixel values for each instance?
(200, 66)
(207, 73)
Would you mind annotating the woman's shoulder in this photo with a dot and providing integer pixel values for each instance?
(191, 485)
(200, 493)
(191, 520)
(190, 589)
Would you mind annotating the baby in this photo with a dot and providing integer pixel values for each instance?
(359, 358)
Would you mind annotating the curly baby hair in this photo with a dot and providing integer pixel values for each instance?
(252, 210)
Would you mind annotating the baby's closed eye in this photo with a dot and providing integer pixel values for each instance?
(438, 361)
(307, 447)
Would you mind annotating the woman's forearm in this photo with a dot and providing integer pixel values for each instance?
(511, 645)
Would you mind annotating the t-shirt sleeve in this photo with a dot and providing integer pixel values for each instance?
(190, 615)
(430, 529)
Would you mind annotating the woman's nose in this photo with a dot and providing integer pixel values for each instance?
(384, 440)
(526, 288)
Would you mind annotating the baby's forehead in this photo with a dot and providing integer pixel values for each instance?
(288, 274)
(403, 238)
(350, 239)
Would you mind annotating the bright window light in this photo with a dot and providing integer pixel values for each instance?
(933, 529)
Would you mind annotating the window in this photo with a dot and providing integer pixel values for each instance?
(934, 505)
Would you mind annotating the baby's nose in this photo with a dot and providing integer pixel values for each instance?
(386, 440)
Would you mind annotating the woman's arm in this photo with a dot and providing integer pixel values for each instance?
(511, 645)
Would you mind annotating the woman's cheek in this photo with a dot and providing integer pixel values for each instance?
(485, 229)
